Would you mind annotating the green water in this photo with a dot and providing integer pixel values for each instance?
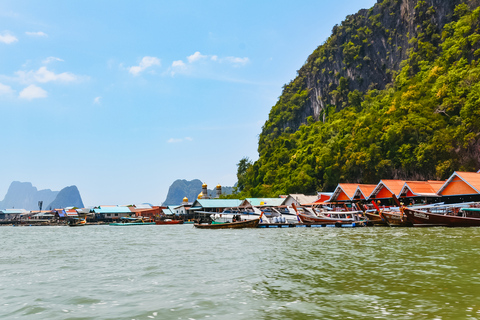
(178, 272)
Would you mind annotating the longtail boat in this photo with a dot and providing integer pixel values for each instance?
(391, 217)
(127, 221)
(455, 217)
(168, 221)
(77, 222)
(334, 218)
(230, 225)
(394, 218)
(375, 219)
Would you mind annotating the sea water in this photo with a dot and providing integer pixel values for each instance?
(179, 272)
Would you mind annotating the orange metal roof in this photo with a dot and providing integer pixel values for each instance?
(322, 199)
(344, 192)
(387, 188)
(363, 191)
(420, 188)
(461, 183)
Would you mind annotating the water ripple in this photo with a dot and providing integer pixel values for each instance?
(178, 272)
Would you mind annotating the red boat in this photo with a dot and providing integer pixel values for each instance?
(168, 221)
(457, 217)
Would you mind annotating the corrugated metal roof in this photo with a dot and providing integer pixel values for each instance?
(470, 178)
(143, 206)
(217, 203)
(113, 210)
(303, 199)
(15, 211)
(167, 212)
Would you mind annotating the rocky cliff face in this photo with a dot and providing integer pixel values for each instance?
(23, 195)
(190, 189)
(67, 197)
(364, 52)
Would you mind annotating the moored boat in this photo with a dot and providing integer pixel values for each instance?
(127, 221)
(454, 217)
(77, 222)
(394, 218)
(374, 219)
(168, 221)
(230, 225)
(333, 218)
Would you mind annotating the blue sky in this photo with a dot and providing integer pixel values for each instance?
(121, 98)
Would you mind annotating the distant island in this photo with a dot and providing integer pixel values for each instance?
(190, 189)
(23, 195)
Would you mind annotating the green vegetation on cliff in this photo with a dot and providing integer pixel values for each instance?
(422, 122)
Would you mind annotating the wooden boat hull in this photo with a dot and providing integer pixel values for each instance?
(131, 224)
(230, 225)
(319, 220)
(394, 219)
(161, 222)
(375, 219)
(427, 219)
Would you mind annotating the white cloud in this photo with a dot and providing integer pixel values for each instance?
(7, 38)
(195, 57)
(4, 89)
(43, 75)
(51, 59)
(146, 62)
(36, 34)
(97, 100)
(32, 92)
(237, 61)
(178, 66)
(207, 68)
(176, 140)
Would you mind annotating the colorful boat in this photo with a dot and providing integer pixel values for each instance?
(455, 217)
(77, 222)
(375, 219)
(394, 218)
(334, 218)
(230, 225)
(168, 221)
(127, 221)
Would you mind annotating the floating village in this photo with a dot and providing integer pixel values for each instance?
(454, 202)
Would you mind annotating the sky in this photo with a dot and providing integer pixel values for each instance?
(122, 98)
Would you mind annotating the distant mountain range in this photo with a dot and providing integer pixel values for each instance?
(190, 189)
(23, 195)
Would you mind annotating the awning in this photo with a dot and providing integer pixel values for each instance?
(195, 208)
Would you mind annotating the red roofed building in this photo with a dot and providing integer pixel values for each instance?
(385, 190)
(344, 192)
(461, 187)
(364, 191)
(424, 191)
(151, 212)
